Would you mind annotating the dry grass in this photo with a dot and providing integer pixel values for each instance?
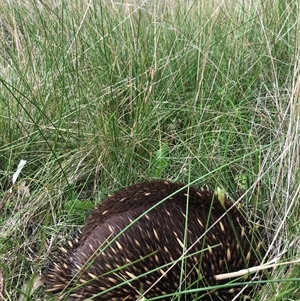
(98, 95)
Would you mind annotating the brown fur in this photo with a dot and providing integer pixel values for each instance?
(91, 265)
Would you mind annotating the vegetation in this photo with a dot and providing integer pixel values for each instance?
(96, 95)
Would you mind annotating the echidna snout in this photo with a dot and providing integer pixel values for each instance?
(176, 247)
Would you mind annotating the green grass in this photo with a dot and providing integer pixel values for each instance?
(97, 95)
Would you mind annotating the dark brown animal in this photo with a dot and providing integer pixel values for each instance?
(156, 239)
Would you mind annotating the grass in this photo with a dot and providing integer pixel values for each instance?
(97, 95)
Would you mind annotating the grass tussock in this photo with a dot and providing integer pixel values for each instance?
(96, 95)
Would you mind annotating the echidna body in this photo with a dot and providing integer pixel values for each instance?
(127, 252)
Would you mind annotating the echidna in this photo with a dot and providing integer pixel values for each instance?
(156, 239)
